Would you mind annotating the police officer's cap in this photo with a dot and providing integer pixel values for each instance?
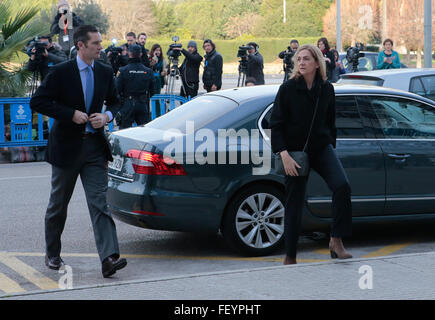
(134, 49)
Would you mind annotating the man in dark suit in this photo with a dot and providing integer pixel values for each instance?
(73, 94)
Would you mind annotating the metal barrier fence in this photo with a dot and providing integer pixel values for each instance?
(21, 130)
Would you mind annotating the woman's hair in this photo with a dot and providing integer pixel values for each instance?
(318, 57)
(336, 58)
(153, 48)
(388, 40)
(325, 42)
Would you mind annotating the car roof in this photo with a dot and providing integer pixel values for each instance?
(384, 73)
(365, 52)
(245, 94)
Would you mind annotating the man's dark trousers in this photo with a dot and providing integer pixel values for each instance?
(134, 110)
(189, 89)
(91, 165)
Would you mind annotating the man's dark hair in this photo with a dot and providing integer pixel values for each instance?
(47, 37)
(142, 34)
(294, 41)
(82, 34)
(209, 41)
(131, 34)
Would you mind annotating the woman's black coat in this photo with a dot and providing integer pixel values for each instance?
(293, 112)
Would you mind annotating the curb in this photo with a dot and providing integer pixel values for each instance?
(217, 273)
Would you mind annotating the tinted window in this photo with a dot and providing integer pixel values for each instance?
(361, 80)
(201, 110)
(364, 64)
(402, 118)
(416, 86)
(429, 86)
(347, 119)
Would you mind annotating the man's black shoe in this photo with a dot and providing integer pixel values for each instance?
(54, 263)
(111, 265)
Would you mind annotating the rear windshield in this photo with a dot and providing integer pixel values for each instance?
(366, 81)
(202, 110)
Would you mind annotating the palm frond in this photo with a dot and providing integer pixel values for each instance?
(16, 23)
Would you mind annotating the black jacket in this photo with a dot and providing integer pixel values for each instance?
(329, 66)
(213, 69)
(189, 69)
(255, 67)
(293, 112)
(43, 66)
(135, 80)
(59, 95)
(145, 60)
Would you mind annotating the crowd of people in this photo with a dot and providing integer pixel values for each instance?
(140, 73)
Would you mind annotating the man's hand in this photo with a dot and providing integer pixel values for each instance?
(79, 117)
(98, 120)
(45, 54)
(33, 51)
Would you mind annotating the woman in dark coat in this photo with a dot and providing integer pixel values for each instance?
(291, 119)
(323, 45)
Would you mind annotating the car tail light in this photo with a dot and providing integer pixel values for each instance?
(354, 77)
(145, 162)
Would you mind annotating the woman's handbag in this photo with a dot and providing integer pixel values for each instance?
(301, 157)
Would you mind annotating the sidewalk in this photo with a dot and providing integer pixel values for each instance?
(410, 276)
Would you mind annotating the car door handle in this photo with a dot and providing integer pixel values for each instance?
(399, 157)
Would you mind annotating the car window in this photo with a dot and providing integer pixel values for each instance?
(347, 118)
(369, 81)
(429, 86)
(201, 110)
(416, 86)
(403, 118)
(364, 64)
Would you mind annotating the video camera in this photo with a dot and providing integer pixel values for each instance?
(115, 55)
(353, 54)
(39, 47)
(174, 54)
(243, 52)
(288, 59)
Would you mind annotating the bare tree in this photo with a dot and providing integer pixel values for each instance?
(406, 25)
(241, 25)
(129, 15)
(360, 21)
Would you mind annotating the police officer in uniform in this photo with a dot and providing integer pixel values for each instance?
(135, 86)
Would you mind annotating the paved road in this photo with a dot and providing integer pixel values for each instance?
(24, 191)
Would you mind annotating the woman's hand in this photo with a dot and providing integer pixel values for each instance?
(290, 166)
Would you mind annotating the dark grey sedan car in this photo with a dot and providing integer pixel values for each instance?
(205, 165)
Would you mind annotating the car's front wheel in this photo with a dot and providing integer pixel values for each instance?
(254, 221)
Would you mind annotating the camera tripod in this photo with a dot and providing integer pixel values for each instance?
(287, 73)
(243, 69)
(174, 74)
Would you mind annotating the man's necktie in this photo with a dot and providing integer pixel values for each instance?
(89, 94)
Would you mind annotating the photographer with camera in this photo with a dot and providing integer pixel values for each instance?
(255, 64)
(115, 56)
(213, 67)
(135, 85)
(43, 55)
(189, 70)
(64, 24)
(287, 57)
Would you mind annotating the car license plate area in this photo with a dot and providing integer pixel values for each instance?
(116, 164)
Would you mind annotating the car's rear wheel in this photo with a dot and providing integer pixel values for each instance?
(254, 221)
